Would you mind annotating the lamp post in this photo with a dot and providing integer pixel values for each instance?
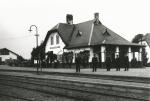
(36, 35)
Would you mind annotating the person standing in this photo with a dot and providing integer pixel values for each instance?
(78, 62)
(126, 63)
(94, 63)
(117, 63)
(108, 63)
(56, 63)
(63, 60)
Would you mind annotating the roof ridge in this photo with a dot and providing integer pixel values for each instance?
(85, 22)
(91, 33)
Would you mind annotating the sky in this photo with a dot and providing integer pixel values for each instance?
(125, 17)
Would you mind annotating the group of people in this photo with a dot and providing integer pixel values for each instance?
(109, 63)
(117, 63)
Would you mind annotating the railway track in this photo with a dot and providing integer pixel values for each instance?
(12, 98)
(13, 89)
(35, 85)
(35, 95)
(79, 91)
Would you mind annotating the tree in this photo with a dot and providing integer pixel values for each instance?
(84, 57)
(38, 53)
(144, 57)
(68, 58)
(137, 38)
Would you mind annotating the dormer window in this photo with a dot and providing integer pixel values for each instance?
(79, 33)
(57, 39)
(106, 33)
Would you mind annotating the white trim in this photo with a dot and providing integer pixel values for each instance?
(103, 48)
(130, 55)
(91, 55)
(91, 34)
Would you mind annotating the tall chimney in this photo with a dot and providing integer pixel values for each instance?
(96, 18)
(69, 19)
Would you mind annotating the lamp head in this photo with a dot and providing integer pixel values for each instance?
(29, 30)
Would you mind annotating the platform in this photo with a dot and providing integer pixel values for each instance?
(133, 72)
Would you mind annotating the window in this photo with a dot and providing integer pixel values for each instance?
(52, 40)
(57, 39)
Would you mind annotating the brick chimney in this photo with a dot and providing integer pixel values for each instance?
(96, 18)
(69, 19)
(96, 15)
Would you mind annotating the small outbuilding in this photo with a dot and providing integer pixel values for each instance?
(6, 54)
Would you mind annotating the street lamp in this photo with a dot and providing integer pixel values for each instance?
(36, 35)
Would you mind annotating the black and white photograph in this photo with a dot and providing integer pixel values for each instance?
(74, 50)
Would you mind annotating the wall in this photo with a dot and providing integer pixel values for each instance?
(56, 48)
(11, 55)
(75, 51)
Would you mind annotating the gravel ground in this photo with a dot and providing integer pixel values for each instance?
(4, 98)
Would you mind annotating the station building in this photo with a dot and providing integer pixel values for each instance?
(90, 35)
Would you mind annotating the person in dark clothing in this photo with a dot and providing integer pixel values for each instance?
(117, 63)
(94, 63)
(63, 61)
(43, 63)
(108, 63)
(113, 63)
(56, 62)
(133, 62)
(126, 63)
(78, 63)
(70, 60)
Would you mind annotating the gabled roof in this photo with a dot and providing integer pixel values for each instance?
(96, 34)
(90, 34)
(64, 30)
(9, 51)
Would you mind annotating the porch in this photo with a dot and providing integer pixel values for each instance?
(134, 54)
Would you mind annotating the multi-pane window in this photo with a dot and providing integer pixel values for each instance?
(52, 40)
(57, 39)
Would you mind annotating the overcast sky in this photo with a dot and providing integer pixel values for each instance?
(125, 17)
